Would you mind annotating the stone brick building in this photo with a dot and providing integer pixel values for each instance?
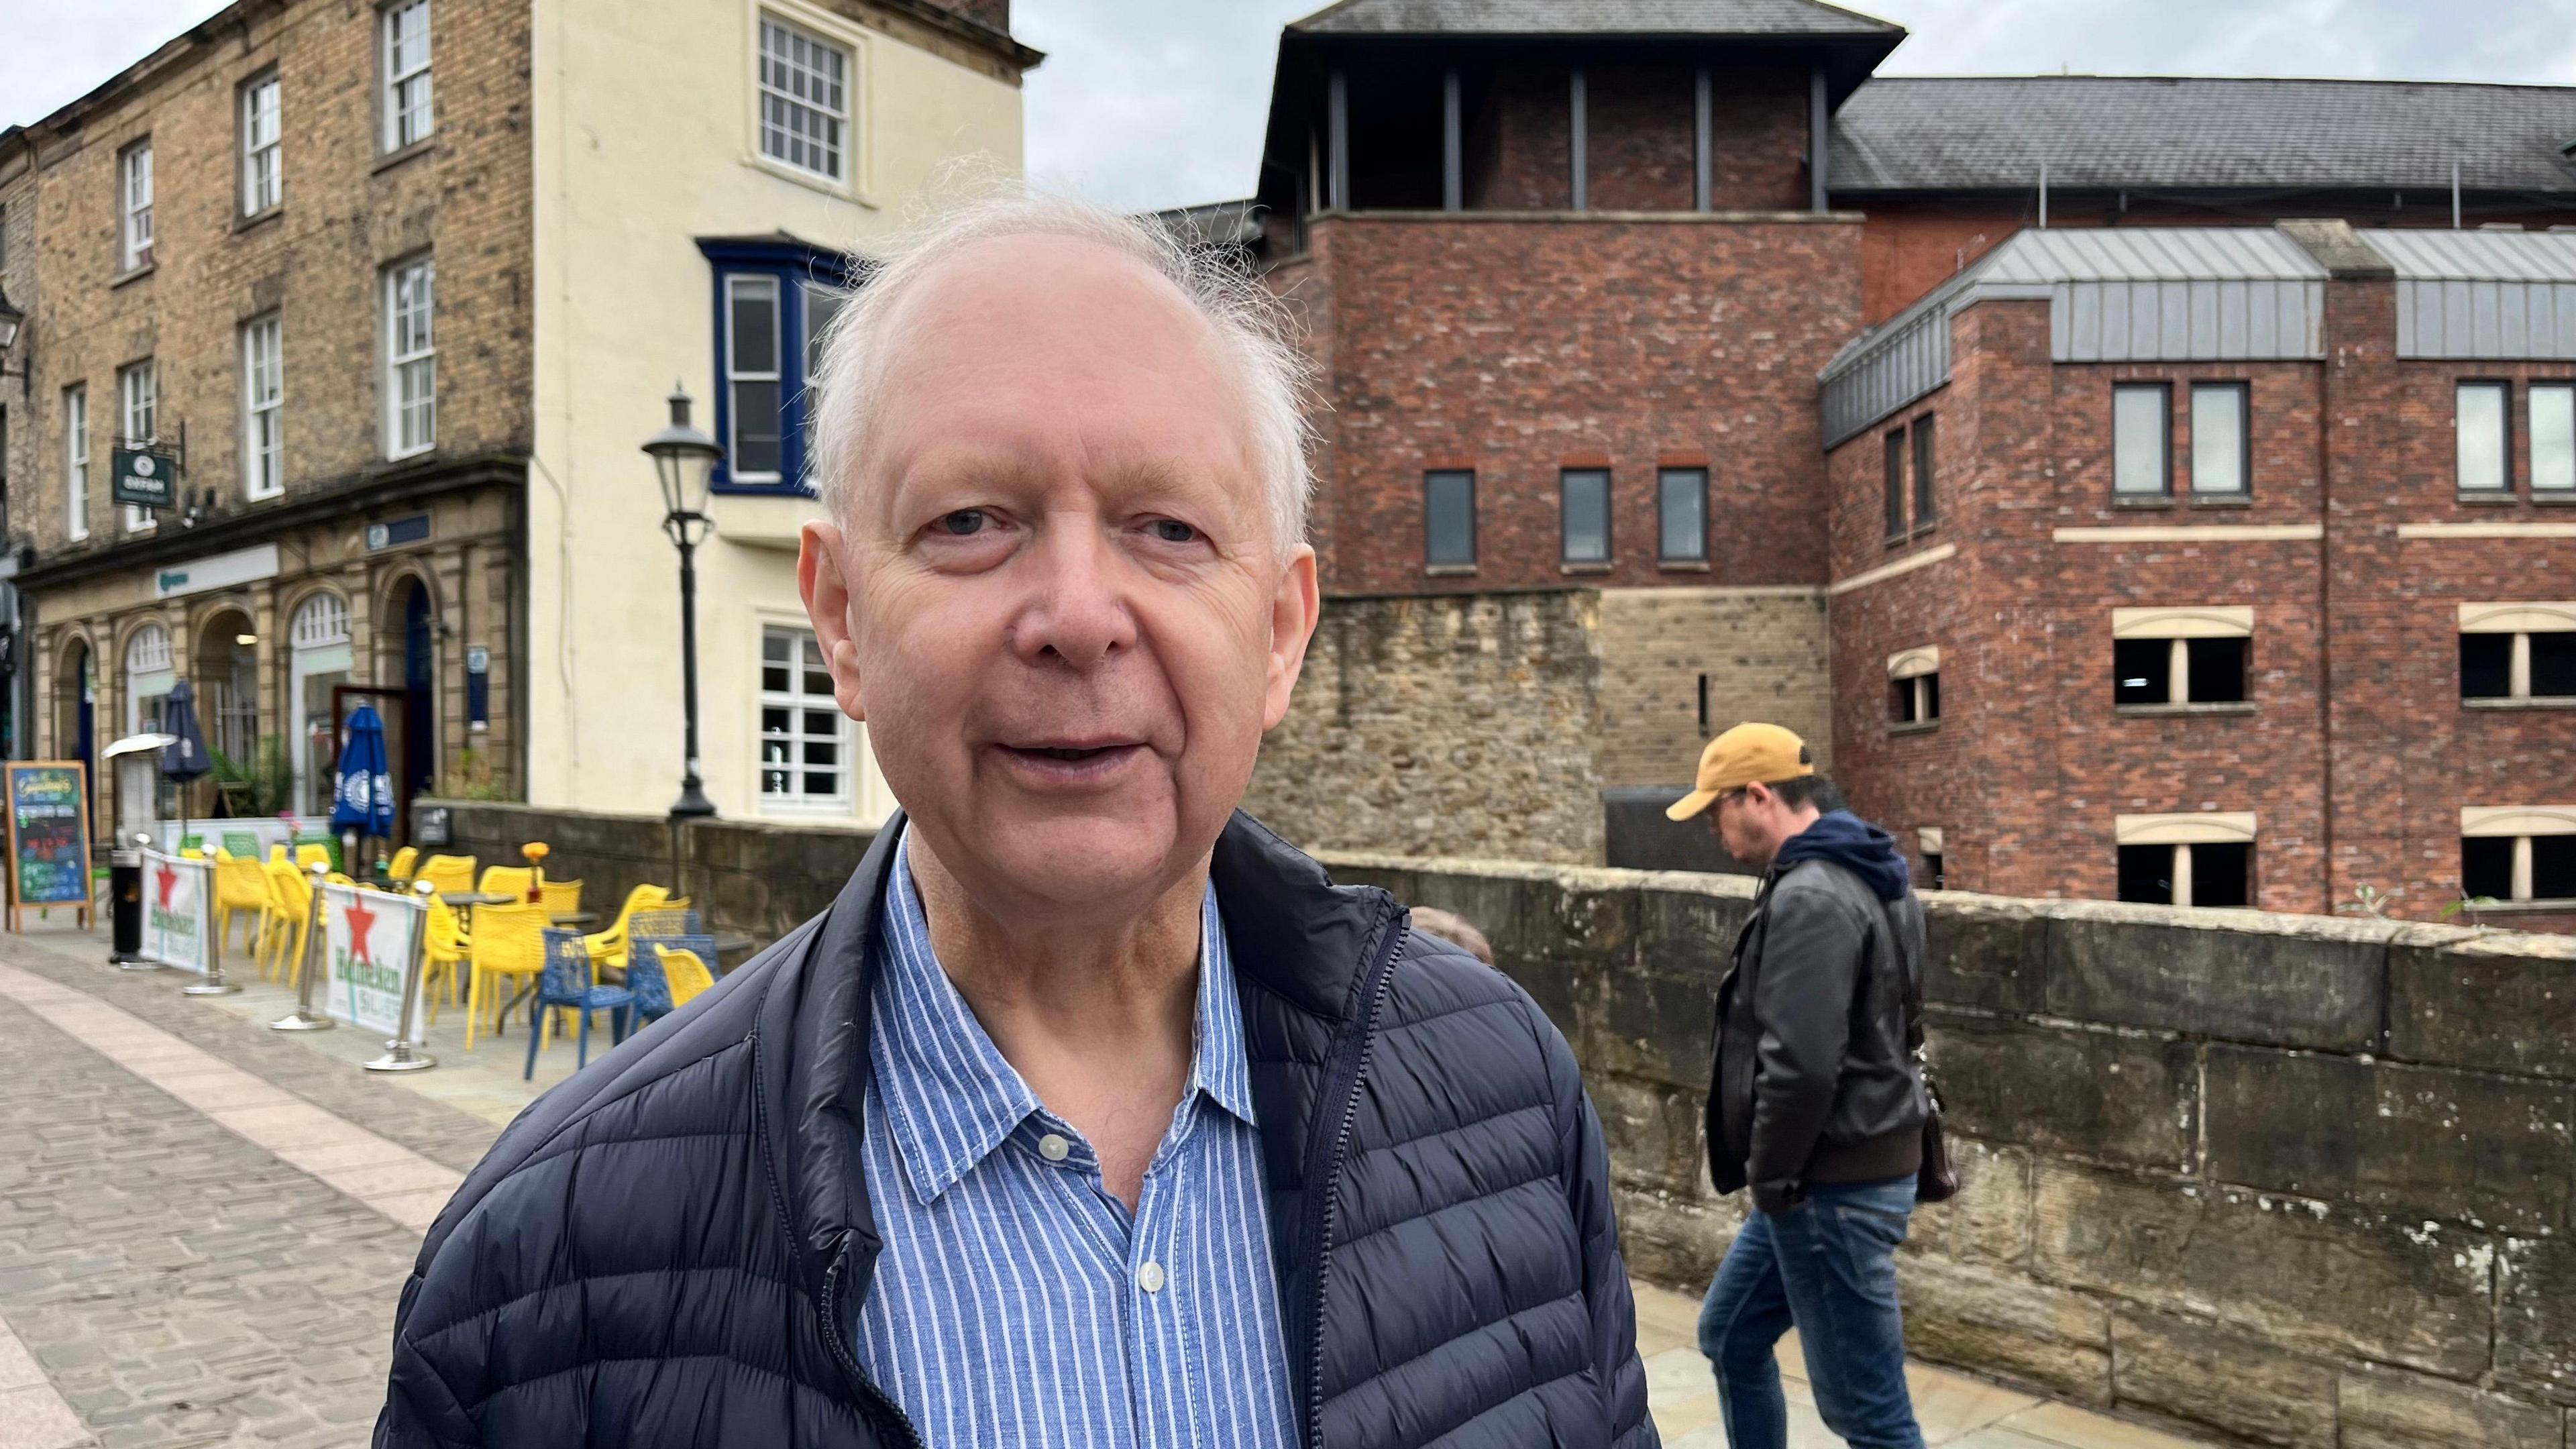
(1572, 275)
(399, 288)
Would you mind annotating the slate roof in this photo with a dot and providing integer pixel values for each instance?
(1592, 17)
(1908, 133)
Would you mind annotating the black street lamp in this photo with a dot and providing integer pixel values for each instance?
(11, 319)
(685, 461)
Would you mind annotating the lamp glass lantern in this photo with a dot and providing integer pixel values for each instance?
(684, 460)
(10, 318)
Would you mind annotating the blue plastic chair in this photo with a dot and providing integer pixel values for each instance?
(567, 983)
(645, 977)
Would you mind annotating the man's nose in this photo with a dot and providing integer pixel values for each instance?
(1076, 611)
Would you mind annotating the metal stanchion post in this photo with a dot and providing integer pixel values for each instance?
(399, 1056)
(214, 984)
(304, 1017)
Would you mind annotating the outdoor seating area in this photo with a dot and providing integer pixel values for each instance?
(496, 940)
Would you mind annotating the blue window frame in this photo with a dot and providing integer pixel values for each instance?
(773, 297)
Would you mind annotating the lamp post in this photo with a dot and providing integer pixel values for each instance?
(685, 461)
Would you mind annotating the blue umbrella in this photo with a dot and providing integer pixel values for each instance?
(186, 757)
(364, 800)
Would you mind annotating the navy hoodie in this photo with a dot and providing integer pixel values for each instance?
(1854, 844)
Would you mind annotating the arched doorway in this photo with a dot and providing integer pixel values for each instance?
(319, 662)
(226, 672)
(75, 696)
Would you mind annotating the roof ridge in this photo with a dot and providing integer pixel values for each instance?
(2351, 80)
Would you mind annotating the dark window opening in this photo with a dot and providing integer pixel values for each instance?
(2486, 866)
(2553, 664)
(1932, 873)
(1449, 519)
(2222, 874)
(1396, 133)
(1915, 699)
(2486, 666)
(1682, 505)
(2216, 670)
(1895, 484)
(1584, 514)
(1932, 695)
(1703, 704)
(2146, 874)
(2553, 867)
(2141, 672)
(1925, 511)
(1900, 701)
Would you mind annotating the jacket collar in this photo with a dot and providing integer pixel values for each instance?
(1291, 933)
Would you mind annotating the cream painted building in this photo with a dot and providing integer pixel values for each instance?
(698, 176)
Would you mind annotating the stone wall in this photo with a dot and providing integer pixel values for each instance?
(2294, 1180)
(1444, 724)
(1764, 653)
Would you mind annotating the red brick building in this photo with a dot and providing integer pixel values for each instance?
(1630, 296)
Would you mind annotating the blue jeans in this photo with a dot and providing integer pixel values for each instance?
(1827, 1267)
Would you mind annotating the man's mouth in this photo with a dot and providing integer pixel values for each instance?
(1071, 761)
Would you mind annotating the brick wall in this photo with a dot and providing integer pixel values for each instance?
(1640, 137)
(1444, 724)
(1518, 146)
(2031, 762)
(1758, 126)
(317, 260)
(1764, 656)
(1517, 348)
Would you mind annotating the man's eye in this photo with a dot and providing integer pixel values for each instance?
(1172, 530)
(963, 522)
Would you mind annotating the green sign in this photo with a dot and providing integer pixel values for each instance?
(144, 478)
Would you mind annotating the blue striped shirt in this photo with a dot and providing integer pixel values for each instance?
(1016, 1302)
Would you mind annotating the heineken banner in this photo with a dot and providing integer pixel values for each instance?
(178, 911)
(367, 938)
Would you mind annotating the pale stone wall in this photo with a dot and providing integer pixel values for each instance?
(1456, 723)
(1764, 651)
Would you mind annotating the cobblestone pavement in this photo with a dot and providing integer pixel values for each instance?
(204, 1226)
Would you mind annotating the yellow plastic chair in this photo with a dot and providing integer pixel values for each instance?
(277, 855)
(404, 859)
(291, 895)
(514, 881)
(687, 974)
(311, 854)
(444, 949)
(450, 874)
(561, 898)
(240, 885)
(192, 852)
(508, 949)
(608, 948)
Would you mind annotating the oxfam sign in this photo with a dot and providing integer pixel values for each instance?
(144, 478)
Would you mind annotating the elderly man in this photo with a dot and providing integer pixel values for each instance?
(1091, 1113)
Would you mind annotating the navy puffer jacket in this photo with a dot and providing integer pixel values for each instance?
(671, 1247)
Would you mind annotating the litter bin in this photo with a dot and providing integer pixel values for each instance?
(125, 903)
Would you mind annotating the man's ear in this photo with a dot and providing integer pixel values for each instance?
(823, 578)
(1293, 610)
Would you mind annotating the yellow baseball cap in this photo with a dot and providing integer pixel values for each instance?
(1737, 758)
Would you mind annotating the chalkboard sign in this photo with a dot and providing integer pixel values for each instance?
(48, 835)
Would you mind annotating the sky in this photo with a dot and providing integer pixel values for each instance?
(1155, 103)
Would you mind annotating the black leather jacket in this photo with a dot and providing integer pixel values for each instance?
(1812, 1080)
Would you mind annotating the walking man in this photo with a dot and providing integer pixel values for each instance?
(1815, 1100)
(1092, 1115)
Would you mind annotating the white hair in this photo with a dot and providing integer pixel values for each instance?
(1251, 325)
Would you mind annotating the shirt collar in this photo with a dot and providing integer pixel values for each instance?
(951, 1097)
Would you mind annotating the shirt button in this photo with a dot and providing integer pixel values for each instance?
(1054, 1148)
(1150, 1277)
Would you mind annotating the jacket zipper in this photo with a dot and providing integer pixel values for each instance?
(869, 1394)
(1344, 1086)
